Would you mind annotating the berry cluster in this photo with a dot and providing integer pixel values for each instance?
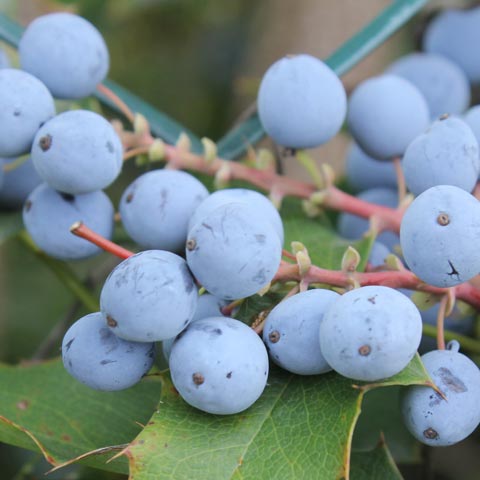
(407, 131)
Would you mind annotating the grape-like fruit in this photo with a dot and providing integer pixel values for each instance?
(291, 332)
(301, 102)
(18, 183)
(150, 296)
(454, 33)
(364, 172)
(25, 104)
(77, 152)
(48, 216)
(219, 365)
(370, 333)
(472, 118)
(439, 234)
(354, 227)
(438, 420)
(93, 355)
(443, 84)
(155, 209)
(385, 114)
(446, 154)
(66, 52)
(207, 306)
(378, 254)
(256, 200)
(234, 251)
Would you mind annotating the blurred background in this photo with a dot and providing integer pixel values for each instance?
(200, 62)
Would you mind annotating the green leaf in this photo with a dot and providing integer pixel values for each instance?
(234, 143)
(300, 427)
(42, 407)
(377, 464)
(161, 125)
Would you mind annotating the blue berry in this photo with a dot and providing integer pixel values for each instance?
(378, 254)
(207, 306)
(439, 235)
(233, 252)
(353, 227)
(438, 420)
(155, 209)
(291, 332)
(96, 357)
(18, 183)
(256, 200)
(446, 154)
(370, 333)
(472, 118)
(150, 296)
(77, 152)
(454, 33)
(219, 365)
(301, 102)
(443, 84)
(25, 104)
(385, 114)
(48, 216)
(364, 172)
(66, 52)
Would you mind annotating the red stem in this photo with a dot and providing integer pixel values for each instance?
(81, 230)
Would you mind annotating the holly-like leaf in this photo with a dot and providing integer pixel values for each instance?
(42, 407)
(301, 427)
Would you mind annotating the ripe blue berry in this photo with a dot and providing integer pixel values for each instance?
(150, 296)
(66, 52)
(301, 102)
(155, 209)
(96, 357)
(77, 152)
(25, 104)
(385, 114)
(438, 420)
(370, 333)
(291, 332)
(219, 365)
(48, 216)
(439, 235)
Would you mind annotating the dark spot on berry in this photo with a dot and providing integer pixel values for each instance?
(198, 378)
(68, 197)
(443, 219)
(191, 244)
(111, 322)
(430, 433)
(372, 299)
(110, 147)
(106, 362)
(260, 238)
(45, 142)
(451, 381)
(229, 375)
(129, 197)
(364, 350)
(444, 116)
(69, 344)
(17, 112)
(274, 336)
(454, 271)
(28, 205)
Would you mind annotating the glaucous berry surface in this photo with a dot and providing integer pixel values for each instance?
(156, 207)
(454, 33)
(370, 333)
(439, 234)
(472, 118)
(233, 251)
(256, 200)
(150, 296)
(291, 332)
(77, 151)
(447, 418)
(364, 172)
(66, 52)
(301, 102)
(446, 154)
(25, 104)
(48, 216)
(96, 357)
(443, 83)
(219, 365)
(18, 183)
(385, 114)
